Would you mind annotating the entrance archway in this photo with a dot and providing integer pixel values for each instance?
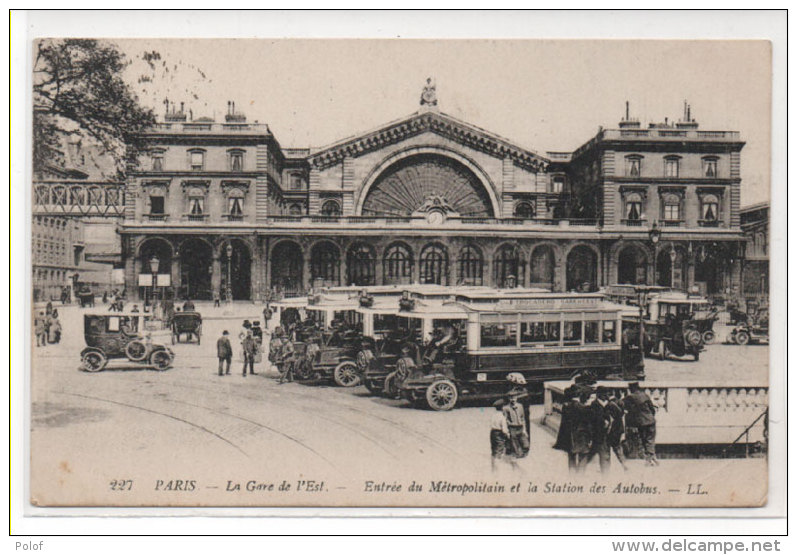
(286, 269)
(196, 267)
(582, 269)
(162, 250)
(543, 267)
(632, 266)
(236, 270)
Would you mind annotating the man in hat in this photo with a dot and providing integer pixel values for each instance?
(575, 430)
(499, 433)
(616, 432)
(250, 349)
(394, 379)
(600, 428)
(516, 421)
(642, 417)
(224, 352)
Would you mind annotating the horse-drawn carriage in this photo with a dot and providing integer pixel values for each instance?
(188, 324)
(85, 297)
(119, 336)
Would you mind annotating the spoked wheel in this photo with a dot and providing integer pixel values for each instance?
(94, 361)
(742, 338)
(709, 336)
(442, 395)
(363, 359)
(161, 360)
(345, 374)
(136, 350)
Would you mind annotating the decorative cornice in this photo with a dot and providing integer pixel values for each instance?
(435, 122)
(201, 183)
(228, 184)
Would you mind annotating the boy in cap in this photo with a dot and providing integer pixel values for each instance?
(499, 433)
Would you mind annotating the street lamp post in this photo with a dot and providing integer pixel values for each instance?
(654, 235)
(228, 289)
(154, 264)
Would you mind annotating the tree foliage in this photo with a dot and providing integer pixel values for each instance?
(79, 90)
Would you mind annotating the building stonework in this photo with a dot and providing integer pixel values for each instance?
(227, 211)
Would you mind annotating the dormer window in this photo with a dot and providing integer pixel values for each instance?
(710, 167)
(196, 160)
(633, 166)
(671, 166)
(236, 160)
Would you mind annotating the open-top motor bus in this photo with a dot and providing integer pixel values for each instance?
(544, 337)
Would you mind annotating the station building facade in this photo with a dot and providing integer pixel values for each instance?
(223, 209)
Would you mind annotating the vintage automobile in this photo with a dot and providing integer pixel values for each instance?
(677, 324)
(541, 337)
(330, 355)
(120, 336)
(85, 297)
(754, 330)
(188, 324)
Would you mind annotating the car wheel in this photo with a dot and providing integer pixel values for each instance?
(94, 361)
(345, 374)
(161, 360)
(442, 395)
(709, 336)
(136, 350)
(363, 358)
(742, 338)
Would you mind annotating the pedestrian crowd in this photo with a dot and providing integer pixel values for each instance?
(47, 326)
(597, 421)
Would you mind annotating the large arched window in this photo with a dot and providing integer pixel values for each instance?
(633, 207)
(471, 266)
(397, 264)
(196, 201)
(325, 264)
(361, 265)
(671, 208)
(508, 267)
(235, 202)
(543, 267)
(434, 264)
(709, 208)
(331, 208)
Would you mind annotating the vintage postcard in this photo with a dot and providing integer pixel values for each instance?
(399, 273)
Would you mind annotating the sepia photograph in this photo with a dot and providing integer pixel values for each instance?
(399, 273)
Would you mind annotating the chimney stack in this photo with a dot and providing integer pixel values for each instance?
(627, 122)
(687, 122)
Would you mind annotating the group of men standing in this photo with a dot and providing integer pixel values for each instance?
(251, 338)
(597, 422)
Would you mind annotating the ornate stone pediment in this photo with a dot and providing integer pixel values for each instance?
(422, 122)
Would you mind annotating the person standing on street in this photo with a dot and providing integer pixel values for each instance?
(224, 352)
(616, 432)
(600, 429)
(642, 416)
(499, 433)
(38, 328)
(516, 421)
(250, 349)
(574, 435)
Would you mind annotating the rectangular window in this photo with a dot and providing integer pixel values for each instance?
(633, 167)
(297, 182)
(197, 161)
(591, 334)
(196, 206)
(499, 335)
(572, 333)
(609, 331)
(633, 210)
(672, 212)
(113, 323)
(557, 185)
(156, 205)
(710, 168)
(539, 334)
(235, 206)
(157, 162)
(237, 161)
(671, 167)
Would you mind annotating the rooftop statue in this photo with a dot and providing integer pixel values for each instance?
(429, 94)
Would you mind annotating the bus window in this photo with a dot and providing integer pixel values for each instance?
(609, 331)
(113, 323)
(591, 332)
(384, 323)
(499, 335)
(539, 333)
(572, 333)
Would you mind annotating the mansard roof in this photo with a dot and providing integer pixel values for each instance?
(420, 122)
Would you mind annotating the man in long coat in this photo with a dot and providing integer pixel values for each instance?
(642, 417)
(575, 431)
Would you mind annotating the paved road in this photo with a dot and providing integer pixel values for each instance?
(188, 423)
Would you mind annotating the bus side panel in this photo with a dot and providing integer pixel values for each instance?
(544, 365)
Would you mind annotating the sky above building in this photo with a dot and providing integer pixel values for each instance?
(550, 95)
